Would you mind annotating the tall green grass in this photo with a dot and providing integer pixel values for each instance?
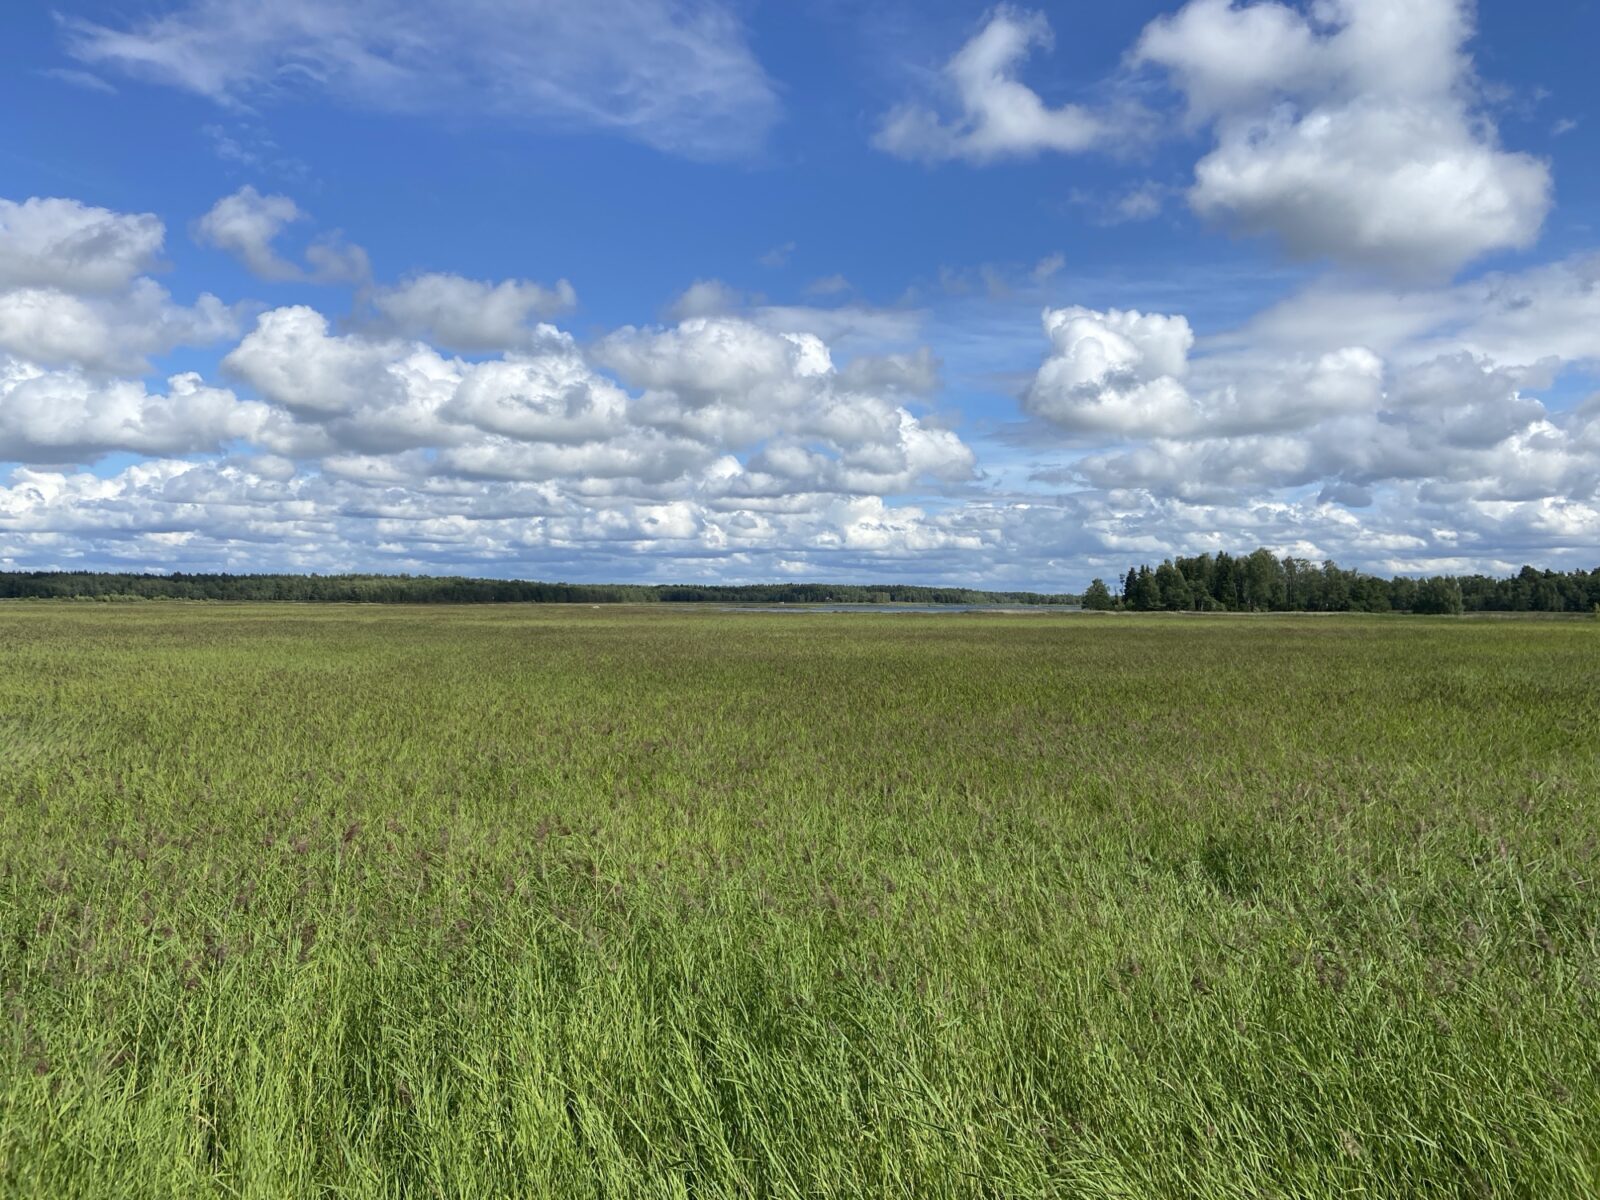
(611, 903)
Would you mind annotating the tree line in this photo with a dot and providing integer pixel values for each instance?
(1261, 582)
(429, 589)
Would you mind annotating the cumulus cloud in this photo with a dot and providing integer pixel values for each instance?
(74, 247)
(66, 416)
(913, 374)
(106, 333)
(292, 359)
(705, 298)
(72, 293)
(448, 425)
(1235, 427)
(709, 389)
(469, 315)
(1349, 132)
(1401, 189)
(245, 512)
(1114, 372)
(246, 225)
(721, 366)
(677, 75)
(993, 114)
(258, 512)
(1521, 318)
(733, 384)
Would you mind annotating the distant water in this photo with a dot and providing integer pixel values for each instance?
(900, 608)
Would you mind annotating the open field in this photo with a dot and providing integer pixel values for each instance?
(628, 902)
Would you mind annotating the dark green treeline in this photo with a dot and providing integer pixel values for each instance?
(1259, 582)
(424, 589)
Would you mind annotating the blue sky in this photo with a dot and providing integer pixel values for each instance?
(682, 289)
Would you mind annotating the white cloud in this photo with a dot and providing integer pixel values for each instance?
(544, 413)
(752, 435)
(551, 397)
(291, 358)
(1456, 432)
(778, 256)
(677, 75)
(1349, 133)
(997, 115)
(1138, 204)
(75, 247)
(469, 315)
(1047, 268)
(86, 80)
(1114, 372)
(719, 378)
(1546, 312)
(246, 224)
(1439, 442)
(72, 293)
(106, 333)
(845, 325)
(645, 457)
(65, 416)
(1410, 190)
(736, 385)
(704, 298)
(913, 374)
(829, 285)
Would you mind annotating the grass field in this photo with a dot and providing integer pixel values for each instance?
(641, 902)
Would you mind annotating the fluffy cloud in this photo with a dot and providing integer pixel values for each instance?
(1349, 132)
(259, 513)
(445, 426)
(65, 416)
(291, 358)
(1549, 312)
(250, 512)
(705, 298)
(1114, 372)
(1126, 374)
(673, 74)
(73, 247)
(996, 115)
(106, 333)
(721, 375)
(735, 384)
(246, 224)
(468, 315)
(1409, 189)
(1229, 426)
(550, 397)
(71, 292)
(709, 389)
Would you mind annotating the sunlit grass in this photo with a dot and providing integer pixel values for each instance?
(593, 903)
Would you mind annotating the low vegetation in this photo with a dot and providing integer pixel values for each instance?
(651, 902)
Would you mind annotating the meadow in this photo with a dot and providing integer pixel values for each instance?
(633, 902)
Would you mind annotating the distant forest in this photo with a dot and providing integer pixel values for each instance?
(425, 589)
(1259, 582)
(1256, 582)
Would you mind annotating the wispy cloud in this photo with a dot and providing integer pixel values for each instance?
(86, 80)
(677, 75)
